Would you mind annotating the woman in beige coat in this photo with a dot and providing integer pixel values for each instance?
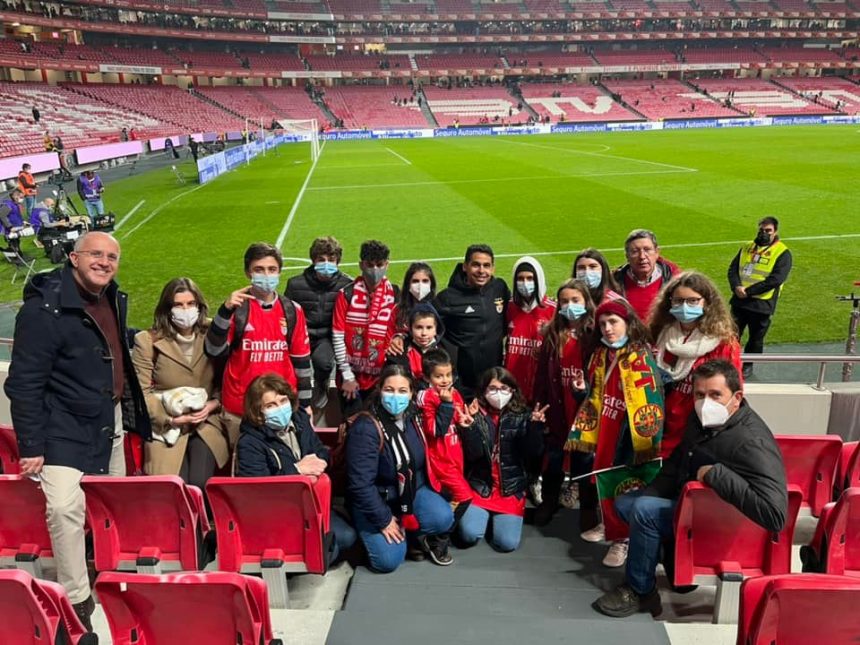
(169, 356)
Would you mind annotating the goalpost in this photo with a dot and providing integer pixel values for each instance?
(303, 130)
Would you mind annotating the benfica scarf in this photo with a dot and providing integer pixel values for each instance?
(368, 329)
(643, 398)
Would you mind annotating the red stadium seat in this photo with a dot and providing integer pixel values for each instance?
(37, 612)
(8, 451)
(24, 539)
(835, 547)
(147, 524)
(272, 525)
(212, 608)
(848, 472)
(799, 610)
(328, 436)
(717, 544)
(810, 464)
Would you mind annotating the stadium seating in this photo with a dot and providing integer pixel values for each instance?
(275, 62)
(272, 525)
(458, 61)
(799, 610)
(722, 55)
(848, 470)
(836, 542)
(470, 105)
(553, 59)
(212, 608)
(24, 539)
(355, 7)
(635, 57)
(715, 542)
(801, 55)
(667, 99)
(291, 103)
(8, 451)
(577, 103)
(716, 5)
(829, 91)
(810, 464)
(208, 60)
(754, 6)
(147, 524)
(243, 101)
(363, 106)
(37, 612)
(755, 96)
(793, 5)
(356, 63)
(150, 57)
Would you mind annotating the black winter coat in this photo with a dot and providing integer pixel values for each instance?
(260, 453)
(520, 440)
(748, 470)
(60, 382)
(475, 323)
(317, 298)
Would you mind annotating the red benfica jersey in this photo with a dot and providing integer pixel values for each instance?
(263, 350)
(571, 370)
(524, 341)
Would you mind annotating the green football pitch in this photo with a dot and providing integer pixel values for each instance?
(701, 191)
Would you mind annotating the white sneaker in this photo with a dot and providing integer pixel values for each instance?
(617, 554)
(597, 534)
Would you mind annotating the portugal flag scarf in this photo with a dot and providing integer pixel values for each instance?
(643, 398)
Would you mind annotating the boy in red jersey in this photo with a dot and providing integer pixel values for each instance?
(364, 321)
(527, 313)
(259, 332)
(426, 333)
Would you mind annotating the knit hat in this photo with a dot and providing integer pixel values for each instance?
(618, 307)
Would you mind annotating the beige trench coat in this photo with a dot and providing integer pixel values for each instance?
(160, 366)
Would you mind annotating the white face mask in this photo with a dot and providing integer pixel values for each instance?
(711, 413)
(419, 290)
(499, 399)
(184, 318)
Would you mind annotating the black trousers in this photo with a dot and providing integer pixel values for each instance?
(757, 323)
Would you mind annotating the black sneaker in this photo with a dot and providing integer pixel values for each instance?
(544, 513)
(623, 601)
(436, 546)
(84, 610)
(415, 551)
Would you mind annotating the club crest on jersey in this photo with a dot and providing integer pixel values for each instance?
(284, 328)
(500, 305)
(358, 340)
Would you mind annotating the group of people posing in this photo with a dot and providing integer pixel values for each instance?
(454, 401)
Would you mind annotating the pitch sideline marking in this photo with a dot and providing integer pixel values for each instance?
(684, 245)
(129, 214)
(161, 208)
(289, 222)
(410, 184)
(598, 154)
(399, 156)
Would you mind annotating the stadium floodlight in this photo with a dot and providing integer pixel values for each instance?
(303, 130)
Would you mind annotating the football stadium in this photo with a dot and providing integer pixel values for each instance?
(350, 322)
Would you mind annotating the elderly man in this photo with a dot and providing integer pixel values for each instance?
(727, 447)
(645, 273)
(72, 390)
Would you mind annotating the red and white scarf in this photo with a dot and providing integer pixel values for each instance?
(369, 328)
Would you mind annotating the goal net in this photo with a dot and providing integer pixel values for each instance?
(303, 130)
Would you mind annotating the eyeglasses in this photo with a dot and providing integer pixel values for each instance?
(113, 258)
(499, 390)
(692, 302)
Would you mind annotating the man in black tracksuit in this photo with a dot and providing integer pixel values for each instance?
(315, 289)
(726, 447)
(473, 310)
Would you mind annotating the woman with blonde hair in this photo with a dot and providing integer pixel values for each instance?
(691, 325)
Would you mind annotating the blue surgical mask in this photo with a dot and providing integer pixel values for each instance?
(526, 288)
(686, 314)
(394, 403)
(279, 418)
(618, 344)
(374, 275)
(591, 277)
(326, 269)
(265, 283)
(572, 311)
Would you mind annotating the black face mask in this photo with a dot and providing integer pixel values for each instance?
(763, 238)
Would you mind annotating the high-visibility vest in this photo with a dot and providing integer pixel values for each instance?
(756, 263)
(26, 176)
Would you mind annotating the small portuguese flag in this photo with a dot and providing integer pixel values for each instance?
(616, 481)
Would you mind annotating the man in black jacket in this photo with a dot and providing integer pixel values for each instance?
(473, 310)
(315, 289)
(72, 390)
(727, 447)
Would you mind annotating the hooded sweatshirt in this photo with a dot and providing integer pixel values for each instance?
(525, 322)
(475, 324)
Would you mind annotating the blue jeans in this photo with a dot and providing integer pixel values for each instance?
(344, 536)
(651, 520)
(29, 203)
(434, 517)
(507, 529)
(94, 209)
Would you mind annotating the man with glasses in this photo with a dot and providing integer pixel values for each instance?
(645, 273)
(73, 390)
(756, 276)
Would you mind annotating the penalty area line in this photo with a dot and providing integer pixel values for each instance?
(399, 156)
(129, 214)
(286, 228)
